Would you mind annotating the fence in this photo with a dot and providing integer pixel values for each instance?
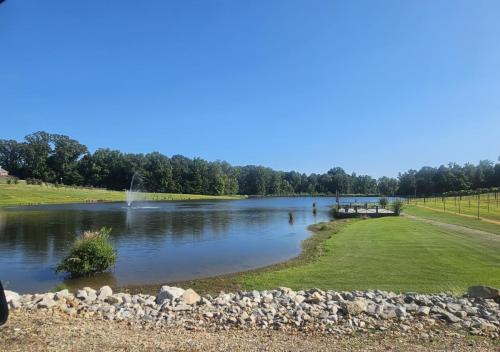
(479, 205)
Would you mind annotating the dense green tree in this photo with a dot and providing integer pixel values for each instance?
(387, 186)
(56, 158)
(11, 156)
(408, 183)
(36, 152)
(63, 159)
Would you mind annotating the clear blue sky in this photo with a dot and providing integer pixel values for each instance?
(376, 87)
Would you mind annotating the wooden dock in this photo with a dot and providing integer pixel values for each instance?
(344, 212)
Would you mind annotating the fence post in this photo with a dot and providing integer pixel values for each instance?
(478, 199)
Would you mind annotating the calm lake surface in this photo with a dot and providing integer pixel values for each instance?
(157, 242)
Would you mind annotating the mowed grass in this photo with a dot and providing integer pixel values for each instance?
(392, 253)
(23, 194)
(489, 205)
(439, 215)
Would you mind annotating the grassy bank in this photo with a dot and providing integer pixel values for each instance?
(392, 253)
(395, 254)
(23, 194)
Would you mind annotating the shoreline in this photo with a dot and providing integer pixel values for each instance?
(310, 251)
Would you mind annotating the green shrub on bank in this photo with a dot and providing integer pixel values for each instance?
(383, 201)
(397, 206)
(91, 253)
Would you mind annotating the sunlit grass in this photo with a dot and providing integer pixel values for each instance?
(392, 253)
(23, 194)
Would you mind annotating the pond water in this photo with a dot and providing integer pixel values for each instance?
(157, 242)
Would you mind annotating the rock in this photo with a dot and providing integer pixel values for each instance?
(285, 290)
(315, 298)
(126, 298)
(355, 307)
(483, 292)
(104, 292)
(81, 294)
(190, 297)
(461, 314)
(453, 308)
(114, 299)
(181, 307)
(89, 290)
(47, 301)
(168, 293)
(63, 294)
(451, 318)
(400, 312)
(298, 299)
(91, 297)
(423, 311)
(11, 296)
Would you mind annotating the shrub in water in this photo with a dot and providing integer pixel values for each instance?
(91, 253)
(383, 202)
(397, 206)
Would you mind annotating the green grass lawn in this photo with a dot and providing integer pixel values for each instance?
(23, 194)
(449, 218)
(392, 253)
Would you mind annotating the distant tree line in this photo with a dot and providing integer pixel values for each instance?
(59, 159)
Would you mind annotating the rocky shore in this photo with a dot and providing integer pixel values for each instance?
(314, 310)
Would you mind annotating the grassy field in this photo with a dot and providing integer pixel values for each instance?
(23, 194)
(450, 218)
(489, 205)
(392, 253)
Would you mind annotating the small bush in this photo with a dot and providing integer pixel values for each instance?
(383, 202)
(397, 206)
(9, 181)
(16, 181)
(91, 253)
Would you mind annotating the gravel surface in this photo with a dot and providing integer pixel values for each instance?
(45, 330)
(274, 320)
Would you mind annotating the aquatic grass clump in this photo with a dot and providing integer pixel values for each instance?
(383, 201)
(91, 253)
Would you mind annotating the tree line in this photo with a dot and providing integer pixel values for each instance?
(60, 159)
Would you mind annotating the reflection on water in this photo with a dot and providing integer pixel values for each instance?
(156, 242)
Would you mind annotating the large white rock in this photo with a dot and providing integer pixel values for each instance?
(104, 292)
(190, 297)
(90, 290)
(11, 296)
(63, 294)
(168, 293)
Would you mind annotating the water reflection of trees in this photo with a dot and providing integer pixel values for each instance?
(42, 235)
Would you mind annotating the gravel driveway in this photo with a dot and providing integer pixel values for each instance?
(52, 331)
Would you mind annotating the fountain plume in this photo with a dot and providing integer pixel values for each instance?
(130, 194)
